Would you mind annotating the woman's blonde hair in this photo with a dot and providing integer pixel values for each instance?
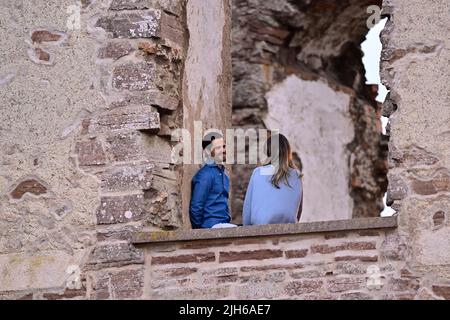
(282, 160)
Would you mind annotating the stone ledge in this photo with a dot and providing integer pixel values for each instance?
(265, 230)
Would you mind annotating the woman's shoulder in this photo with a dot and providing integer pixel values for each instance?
(264, 170)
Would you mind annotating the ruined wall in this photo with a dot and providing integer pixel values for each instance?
(86, 117)
(297, 68)
(351, 265)
(415, 68)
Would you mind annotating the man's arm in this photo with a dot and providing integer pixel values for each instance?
(201, 184)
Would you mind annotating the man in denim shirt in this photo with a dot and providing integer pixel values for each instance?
(211, 187)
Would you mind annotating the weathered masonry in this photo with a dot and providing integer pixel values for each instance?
(92, 205)
(297, 67)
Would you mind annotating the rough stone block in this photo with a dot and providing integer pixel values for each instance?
(114, 255)
(172, 6)
(151, 98)
(300, 287)
(292, 254)
(131, 25)
(396, 284)
(67, 294)
(440, 182)
(442, 291)
(249, 255)
(115, 50)
(28, 186)
(124, 146)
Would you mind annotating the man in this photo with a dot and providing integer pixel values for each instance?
(210, 187)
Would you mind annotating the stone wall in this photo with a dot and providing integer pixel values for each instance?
(89, 113)
(297, 68)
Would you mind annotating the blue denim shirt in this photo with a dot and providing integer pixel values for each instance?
(209, 200)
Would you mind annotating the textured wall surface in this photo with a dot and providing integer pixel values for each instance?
(86, 118)
(316, 118)
(85, 124)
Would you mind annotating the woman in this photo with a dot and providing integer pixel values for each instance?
(275, 191)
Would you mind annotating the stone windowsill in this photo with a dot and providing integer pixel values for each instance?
(265, 230)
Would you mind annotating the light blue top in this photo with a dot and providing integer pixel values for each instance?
(265, 204)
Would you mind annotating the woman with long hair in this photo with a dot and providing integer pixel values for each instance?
(275, 191)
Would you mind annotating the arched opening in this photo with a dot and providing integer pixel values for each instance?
(298, 67)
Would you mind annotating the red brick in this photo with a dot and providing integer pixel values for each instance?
(207, 244)
(124, 284)
(292, 254)
(393, 247)
(439, 218)
(300, 287)
(90, 153)
(249, 255)
(178, 272)
(115, 50)
(335, 235)
(186, 258)
(40, 36)
(368, 233)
